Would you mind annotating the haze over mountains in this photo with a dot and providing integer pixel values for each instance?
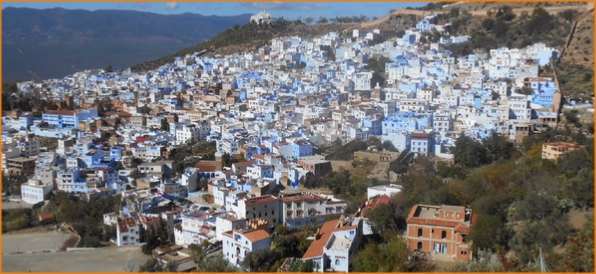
(53, 43)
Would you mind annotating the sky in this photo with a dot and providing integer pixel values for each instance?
(287, 10)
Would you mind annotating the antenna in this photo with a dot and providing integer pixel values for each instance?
(543, 267)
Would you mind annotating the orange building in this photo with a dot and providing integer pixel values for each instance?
(553, 151)
(440, 230)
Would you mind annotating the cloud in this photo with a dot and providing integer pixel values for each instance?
(267, 5)
(283, 6)
(313, 6)
(172, 5)
(141, 5)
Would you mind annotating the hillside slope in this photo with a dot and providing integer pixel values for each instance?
(246, 38)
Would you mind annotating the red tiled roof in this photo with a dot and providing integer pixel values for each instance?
(316, 248)
(206, 166)
(61, 112)
(256, 235)
(258, 156)
(420, 135)
(46, 217)
(243, 164)
(457, 225)
(260, 200)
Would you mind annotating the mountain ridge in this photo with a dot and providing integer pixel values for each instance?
(50, 43)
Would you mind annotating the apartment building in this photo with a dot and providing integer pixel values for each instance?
(440, 230)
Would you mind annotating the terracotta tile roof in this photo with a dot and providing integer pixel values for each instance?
(228, 234)
(243, 164)
(420, 135)
(258, 156)
(260, 200)
(457, 225)
(61, 112)
(125, 223)
(302, 197)
(46, 217)
(256, 235)
(206, 166)
(228, 172)
(124, 114)
(316, 248)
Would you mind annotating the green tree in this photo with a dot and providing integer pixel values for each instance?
(381, 218)
(147, 265)
(395, 256)
(217, 263)
(488, 233)
(498, 148)
(260, 261)
(164, 125)
(579, 252)
(484, 262)
(468, 152)
(488, 24)
(285, 246)
(580, 188)
(454, 12)
(198, 253)
(525, 90)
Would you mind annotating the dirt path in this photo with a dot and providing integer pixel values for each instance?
(577, 218)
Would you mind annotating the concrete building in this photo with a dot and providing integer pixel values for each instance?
(387, 190)
(440, 230)
(20, 166)
(335, 245)
(554, 150)
(34, 191)
(239, 242)
(263, 207)
(304, 208)
(316, 165)
(127, 231)
(421, 143)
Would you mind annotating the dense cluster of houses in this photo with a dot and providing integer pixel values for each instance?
(260, 106)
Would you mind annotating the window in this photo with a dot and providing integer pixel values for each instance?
(443, 234)
(337, 262)
(420, 231)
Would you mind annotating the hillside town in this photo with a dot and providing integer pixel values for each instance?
(266, 114)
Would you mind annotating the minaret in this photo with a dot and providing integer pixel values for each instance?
(218, 161)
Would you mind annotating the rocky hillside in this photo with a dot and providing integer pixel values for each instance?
(581, 44)
(248, 37)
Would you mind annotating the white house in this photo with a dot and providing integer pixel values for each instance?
(261, 18)
(239, 242)
(189, 179)
(127, 231)
(227, 223)
(400, 140)
(263, 207)
(388, 190)
(186, 133)
(335, 245)
(34, 191)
